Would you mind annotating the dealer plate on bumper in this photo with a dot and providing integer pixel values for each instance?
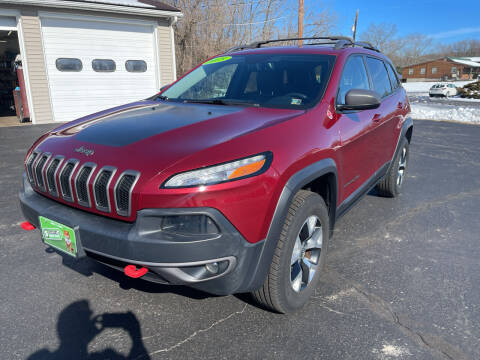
(58, 236)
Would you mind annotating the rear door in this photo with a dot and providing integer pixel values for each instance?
(383, 121)
(94, 64)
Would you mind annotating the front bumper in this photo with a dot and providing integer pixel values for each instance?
(170, 258)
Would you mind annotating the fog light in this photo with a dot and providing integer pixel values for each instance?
(212, 267)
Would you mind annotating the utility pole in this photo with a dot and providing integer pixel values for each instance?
(354, 27)
(300, 21)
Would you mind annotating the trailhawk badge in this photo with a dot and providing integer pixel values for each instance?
(86, 152)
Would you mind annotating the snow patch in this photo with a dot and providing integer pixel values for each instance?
(340, 294)
(390, 351)
(439, 112)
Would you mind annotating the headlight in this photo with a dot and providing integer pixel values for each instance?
(234, 170)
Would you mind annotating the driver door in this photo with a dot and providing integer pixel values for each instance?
(357, 155)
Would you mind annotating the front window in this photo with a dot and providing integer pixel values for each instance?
(454, 70)
(422, 71)
(434, 70)
(354, 76)
(263, 80)
(410, 71)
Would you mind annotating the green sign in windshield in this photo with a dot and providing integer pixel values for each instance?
(217, 60)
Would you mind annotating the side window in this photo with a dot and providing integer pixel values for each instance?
(103, 65)
(69, 64)
(378, 73)
(393, 76)
(354, 76)
(136, 66)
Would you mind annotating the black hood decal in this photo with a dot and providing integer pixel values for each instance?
(132, 125)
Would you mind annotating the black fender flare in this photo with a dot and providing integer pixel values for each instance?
(406, 127)
(296, 182)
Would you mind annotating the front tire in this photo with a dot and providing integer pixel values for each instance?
(391, 184)
(299, 257)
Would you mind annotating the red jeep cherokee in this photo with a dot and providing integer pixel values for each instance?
(232, 178)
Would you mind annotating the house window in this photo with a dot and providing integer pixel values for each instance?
(422, 71)
(410, 71)
(136, 66)
(454, 70)
(434, 70)
(68, 64)
(103, 65)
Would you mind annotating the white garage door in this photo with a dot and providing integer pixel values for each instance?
(73, 47)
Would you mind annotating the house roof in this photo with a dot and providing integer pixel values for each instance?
(463, 61)
(467, 61)
(153, 8)
(149, 4)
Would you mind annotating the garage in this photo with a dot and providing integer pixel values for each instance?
(78, 57)
(111, 62)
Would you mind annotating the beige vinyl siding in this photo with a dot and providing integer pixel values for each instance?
(165, 54)
(37, 74)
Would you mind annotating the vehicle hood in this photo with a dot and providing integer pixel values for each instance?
(154, 135)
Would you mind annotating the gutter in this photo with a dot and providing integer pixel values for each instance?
(118, 9)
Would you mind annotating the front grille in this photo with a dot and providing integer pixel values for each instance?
(100, 188)
(59, 177)
(65, 181)
(123, 192)
(81, 184)
(39, 171)
(30, 162)
(51, 172)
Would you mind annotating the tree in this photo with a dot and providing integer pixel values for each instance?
(210, 27)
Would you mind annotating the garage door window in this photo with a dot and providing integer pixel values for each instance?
(136, 66)
(103, 65)
(68, 64)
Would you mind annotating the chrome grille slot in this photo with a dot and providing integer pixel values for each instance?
(40, 164)
(65, 179)
(52, 174)
(123, 191)
(29, 164)
(101, 188)
(81, 184)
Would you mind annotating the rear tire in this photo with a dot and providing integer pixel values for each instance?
(299, 257)
(391, 184)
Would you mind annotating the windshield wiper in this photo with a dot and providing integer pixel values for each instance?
(220, 102)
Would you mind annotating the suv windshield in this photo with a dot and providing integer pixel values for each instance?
(265, 80)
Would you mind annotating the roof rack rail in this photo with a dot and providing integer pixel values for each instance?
(339, 42)
(366, 45)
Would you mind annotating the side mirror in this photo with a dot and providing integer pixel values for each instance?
(164, 87)
(360, 99)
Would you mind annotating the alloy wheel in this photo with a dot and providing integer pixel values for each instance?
(402, 166)
(306, 253)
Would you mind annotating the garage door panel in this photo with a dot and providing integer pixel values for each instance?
(76, 94)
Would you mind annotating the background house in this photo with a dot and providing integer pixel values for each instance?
(448, 68)
(80, 57)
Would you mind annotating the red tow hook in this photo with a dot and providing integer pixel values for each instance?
(27, 226)
(131, 271)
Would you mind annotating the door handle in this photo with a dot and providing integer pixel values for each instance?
(376, 118)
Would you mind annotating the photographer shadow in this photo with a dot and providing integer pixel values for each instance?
(77, 327)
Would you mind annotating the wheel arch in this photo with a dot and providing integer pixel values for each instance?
(323, 172)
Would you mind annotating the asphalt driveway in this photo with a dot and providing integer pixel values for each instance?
(402, 280)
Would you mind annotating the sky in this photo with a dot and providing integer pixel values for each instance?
(444, 21)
